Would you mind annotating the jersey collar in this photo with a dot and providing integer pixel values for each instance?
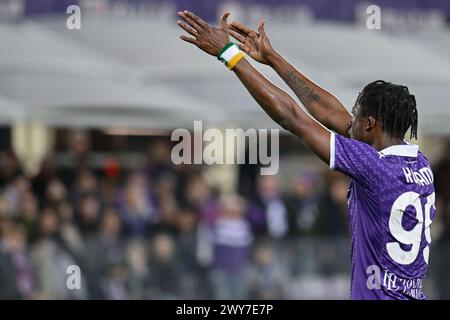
(403, 150)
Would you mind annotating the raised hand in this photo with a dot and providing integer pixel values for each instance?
(255, 44)
(208, 38)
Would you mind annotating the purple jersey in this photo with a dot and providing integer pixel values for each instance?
(391, 206)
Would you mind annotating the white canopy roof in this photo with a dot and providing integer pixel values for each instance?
(137, 73)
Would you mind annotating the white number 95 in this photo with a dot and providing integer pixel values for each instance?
(411, 237)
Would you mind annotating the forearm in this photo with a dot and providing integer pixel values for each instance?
(320, 103)
(270, 97)
(283, 109)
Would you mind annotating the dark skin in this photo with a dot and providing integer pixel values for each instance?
(279, 105)
(370, 131)
(321, 104)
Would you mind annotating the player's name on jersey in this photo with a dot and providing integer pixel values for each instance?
(422, 177)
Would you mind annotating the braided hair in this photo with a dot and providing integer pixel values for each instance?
(391, 104)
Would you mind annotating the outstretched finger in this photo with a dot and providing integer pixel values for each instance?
(223, 21)
(189, 39)
(231, 27)
(189, 21)
(187, 28)
(237, 36)
(196, 18)
(241, 27)
(261, 28)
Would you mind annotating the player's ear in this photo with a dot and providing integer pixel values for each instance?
(371, 122)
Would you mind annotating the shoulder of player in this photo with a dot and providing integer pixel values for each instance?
(408, 150)
(421, 155)
(356, 143)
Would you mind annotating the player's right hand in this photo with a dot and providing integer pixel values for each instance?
(255, 44)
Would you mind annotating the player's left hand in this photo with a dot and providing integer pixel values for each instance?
(208, 38)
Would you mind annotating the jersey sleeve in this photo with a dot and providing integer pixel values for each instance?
(354, 158)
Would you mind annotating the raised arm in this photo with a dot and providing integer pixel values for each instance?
(320, 103)
(275, 102)
(284, 110)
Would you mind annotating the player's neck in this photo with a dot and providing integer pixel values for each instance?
(386, 141)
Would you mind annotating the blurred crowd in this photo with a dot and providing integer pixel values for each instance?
(163, 232)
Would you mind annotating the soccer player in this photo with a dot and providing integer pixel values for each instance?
(391, 195)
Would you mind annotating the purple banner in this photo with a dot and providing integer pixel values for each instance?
(337, 10)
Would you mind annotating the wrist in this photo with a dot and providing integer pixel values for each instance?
(230, 55)
(273, 58)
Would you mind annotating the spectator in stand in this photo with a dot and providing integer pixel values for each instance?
(105, 253)
(303, 204)
(10, 168)
(193, 282)
(47, 172)
(137, 261)
(197, 193)
(16, 273)
(56, 192)
(136, 205)
(88, 214)
(267, 274)
(268, 213)
(333, 206)
(14, 193)
(159, 161)
(232, 238)
(28, 217)
(165, 271)
(70, 234)
(166, 203)
(115, 284)
(85, 184)
(50, 260)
